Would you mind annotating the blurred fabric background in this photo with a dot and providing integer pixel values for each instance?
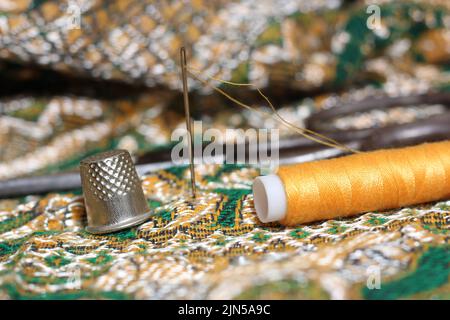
(76, 82)
(79, 77)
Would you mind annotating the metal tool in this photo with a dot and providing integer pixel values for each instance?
(188, 117)
(292, 150)
(319, 120)
(112, 192)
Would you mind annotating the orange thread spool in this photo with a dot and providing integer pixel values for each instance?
(358, 183)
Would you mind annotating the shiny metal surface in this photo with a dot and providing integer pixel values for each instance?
(183, 63)
(112, 191)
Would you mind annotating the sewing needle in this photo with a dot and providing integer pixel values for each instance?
(188, 117)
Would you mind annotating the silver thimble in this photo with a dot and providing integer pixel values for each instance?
(112, 191)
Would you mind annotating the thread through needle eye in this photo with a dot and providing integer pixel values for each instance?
(183, 63)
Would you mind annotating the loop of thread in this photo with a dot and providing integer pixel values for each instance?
(307, 133)
(370, 181)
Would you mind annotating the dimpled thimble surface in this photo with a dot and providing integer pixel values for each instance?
(112, 191)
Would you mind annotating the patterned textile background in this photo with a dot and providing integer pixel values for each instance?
(215, 248)
(64, 108)
(66, 93)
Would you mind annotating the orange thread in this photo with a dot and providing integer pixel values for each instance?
(370, 181)
(358, 183)
(307, 133)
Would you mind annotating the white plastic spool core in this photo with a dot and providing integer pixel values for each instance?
(269, 198)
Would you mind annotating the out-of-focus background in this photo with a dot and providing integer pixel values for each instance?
(83, 76)
(78, 77)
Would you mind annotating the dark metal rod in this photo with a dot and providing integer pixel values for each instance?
(188, 117)
(371, 103)
(435, 128)
(58, 182)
